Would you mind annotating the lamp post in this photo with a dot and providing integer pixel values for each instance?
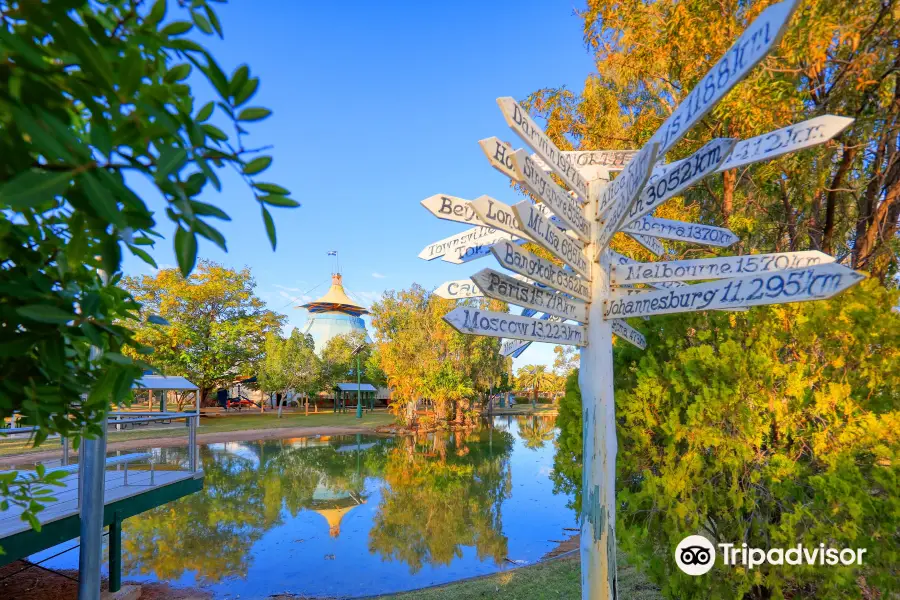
(358, 385)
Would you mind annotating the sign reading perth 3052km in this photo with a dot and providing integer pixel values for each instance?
(794, 285)
(466, 319)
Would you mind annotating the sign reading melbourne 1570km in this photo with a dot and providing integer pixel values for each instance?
(794, 285)
(466, 319)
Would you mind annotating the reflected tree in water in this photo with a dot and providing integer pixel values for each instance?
(444, 492)
(536, 430)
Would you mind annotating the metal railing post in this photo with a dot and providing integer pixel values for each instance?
(92, 480)
(65, 450)
(192, 442)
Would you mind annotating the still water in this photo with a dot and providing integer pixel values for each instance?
(352, 515)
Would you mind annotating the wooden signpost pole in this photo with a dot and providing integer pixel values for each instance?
(595, 378)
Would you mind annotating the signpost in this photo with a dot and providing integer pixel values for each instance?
(592, 164)
(586, 293)
(476, 235)
(458, 290)
(451, 208)
(653, 245)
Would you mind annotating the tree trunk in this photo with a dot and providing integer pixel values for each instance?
(280, 398)
(729, 181)
(831, 198)
(791, 217)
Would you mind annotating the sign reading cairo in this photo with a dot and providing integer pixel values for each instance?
(753, 45)
(503, 287)
(684, 232)
(466, 319)
(628, 333)
(631, 272)
(788, 139)
(535, 137)
(671, 179)
(541, 270)
(477, 235)
(451, 208)
(562, 204)
(458, 289)
(617, 197)
(794, 285)
(499, 154)
(551, 237)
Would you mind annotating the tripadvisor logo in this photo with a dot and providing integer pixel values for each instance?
(696, 555)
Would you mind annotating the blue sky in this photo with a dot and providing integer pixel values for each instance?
(377, 105)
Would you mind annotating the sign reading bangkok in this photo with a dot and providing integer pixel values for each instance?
(540, 270)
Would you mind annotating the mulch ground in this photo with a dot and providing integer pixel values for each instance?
(36, 583)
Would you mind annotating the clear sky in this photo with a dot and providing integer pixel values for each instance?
(377, 105)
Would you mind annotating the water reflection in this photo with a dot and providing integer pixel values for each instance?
(352, 516)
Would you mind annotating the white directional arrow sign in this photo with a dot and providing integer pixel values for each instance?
(541, 270)
(482, 322)
(503, 287)
(788, 139)
(498, 215)
(562, 204)
(628, 333)
(451, 208)
(714, 268)
(669, 180)
(458, 289)
(475, 236)
(794, 285)
(759, 38)
(499, 154)
(591, 162)
(653, 245)
(667, 229)
(471, 252)
(508, 347)
(618, 195)
(534, 136)
(551, 237)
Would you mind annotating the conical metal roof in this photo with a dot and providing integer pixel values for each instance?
(335, 300)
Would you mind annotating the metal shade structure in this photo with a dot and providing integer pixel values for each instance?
(162, 383)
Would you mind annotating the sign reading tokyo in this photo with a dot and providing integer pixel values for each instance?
(469, 237)
(541, 270)
(458, 289)
(451, 208)
(668, 229)
(631, 272)
(482, 322)
(753, 45)
(794, 285)
(503, 287)
(562, 204)
(788, 139)
(551, 237)
(535, 137)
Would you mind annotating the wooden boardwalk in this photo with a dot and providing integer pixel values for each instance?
(66, 504)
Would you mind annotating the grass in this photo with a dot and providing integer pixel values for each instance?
(554, 579)
(220, 424)
(525, 409)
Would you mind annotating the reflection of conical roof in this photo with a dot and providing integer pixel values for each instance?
(334, 509)
(335, 300)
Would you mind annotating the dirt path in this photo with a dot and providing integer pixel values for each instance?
(13, 460)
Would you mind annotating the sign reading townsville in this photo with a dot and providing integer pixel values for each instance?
(602, 290)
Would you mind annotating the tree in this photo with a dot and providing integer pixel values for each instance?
(416, 346)
(289, 365)
(837, 57)
(773, 427)
(534, 377)
(94, 97)
(217, 325)
(566, 359)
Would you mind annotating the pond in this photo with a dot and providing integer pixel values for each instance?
(352, 516)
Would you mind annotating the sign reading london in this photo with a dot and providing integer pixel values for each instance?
(466, 319)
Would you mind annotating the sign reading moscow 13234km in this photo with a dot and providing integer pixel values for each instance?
(540, 270)
(551, 237)
(754, 44)
(503, 287)
(482, 322)
(776, 287)
(627, 273)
